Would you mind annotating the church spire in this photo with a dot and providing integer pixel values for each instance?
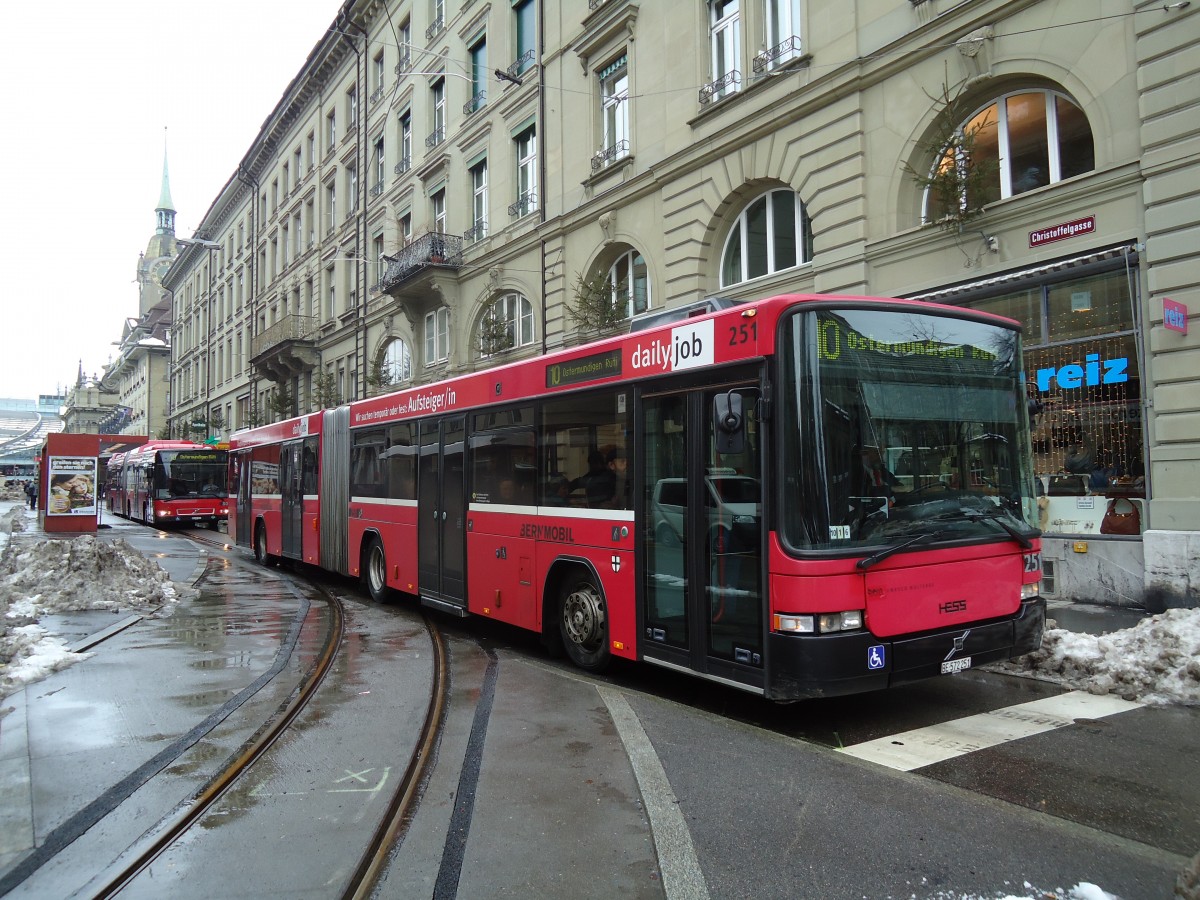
(165, 212)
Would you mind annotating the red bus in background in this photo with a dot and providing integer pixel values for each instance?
(802, 496)
(169, 483)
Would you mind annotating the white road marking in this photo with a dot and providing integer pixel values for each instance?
(936, 743)
(681, 873)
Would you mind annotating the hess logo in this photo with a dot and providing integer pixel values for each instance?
(953, 606)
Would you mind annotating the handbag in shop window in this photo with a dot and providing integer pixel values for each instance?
(1121, 517)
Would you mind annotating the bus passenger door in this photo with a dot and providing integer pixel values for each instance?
(291, 526)
(702, 534)
(441, 514)
(241, 487)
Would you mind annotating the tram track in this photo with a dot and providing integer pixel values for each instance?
(250, 752)
(401, 808)
(133, 864)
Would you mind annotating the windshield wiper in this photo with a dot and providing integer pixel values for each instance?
(883, 554)
(999, 517)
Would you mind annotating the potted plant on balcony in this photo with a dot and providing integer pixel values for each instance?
(379, 376)
(495, 335)
(959, 182)
(282, 403)
(325, 392)
(598, 307)
(437, 248)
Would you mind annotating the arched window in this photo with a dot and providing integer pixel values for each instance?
(505, 324)
(396, 362)
(629, 282)
(1022, 140)
(772, 233)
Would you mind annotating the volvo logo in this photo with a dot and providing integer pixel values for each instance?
(959, 643)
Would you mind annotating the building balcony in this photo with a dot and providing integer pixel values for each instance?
(286, 349)
(521, 65)
(603, 158)
(727, 84)
(477, 101)
(428, 253)
(478, 233)
(526, 203)
(782, 52)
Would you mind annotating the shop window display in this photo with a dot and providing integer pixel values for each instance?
(1084, 384)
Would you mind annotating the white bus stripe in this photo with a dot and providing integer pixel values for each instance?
(936, 743)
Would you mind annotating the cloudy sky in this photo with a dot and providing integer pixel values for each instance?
(88, 88)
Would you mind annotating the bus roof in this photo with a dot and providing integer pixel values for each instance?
(739, 334)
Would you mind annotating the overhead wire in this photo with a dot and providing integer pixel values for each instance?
(870, 57)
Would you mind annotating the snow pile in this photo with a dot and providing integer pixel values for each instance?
(81, 573)
(1155, 662)
(51, 576)
(28, 653)
(13, 520)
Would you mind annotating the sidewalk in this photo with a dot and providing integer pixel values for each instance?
(77, 743)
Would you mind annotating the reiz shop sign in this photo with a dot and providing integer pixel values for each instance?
(1094, 371)
(1175, 316)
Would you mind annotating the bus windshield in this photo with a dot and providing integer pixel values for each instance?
(901, 425)
(189, 473)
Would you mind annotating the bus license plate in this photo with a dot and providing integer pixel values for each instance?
(950, 666)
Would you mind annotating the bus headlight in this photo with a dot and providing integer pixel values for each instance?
(823, 623)
(844, 621)
(1029, 591)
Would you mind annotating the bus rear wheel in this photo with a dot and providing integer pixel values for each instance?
(260, 545)
(375, 571)
(583, 624)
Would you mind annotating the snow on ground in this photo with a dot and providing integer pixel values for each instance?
(45, 576)
(1156, 662)
(1082, 891)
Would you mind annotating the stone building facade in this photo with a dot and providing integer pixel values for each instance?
(444, 184)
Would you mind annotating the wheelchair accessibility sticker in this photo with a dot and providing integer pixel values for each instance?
(875, 657)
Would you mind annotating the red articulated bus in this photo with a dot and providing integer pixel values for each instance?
(169, 483)
(802, 496)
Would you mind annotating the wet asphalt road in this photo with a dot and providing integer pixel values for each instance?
(747, 798)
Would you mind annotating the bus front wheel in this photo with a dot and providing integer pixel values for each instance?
(583, 624)
(375, 572)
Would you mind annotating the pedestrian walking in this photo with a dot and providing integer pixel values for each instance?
(31, 492)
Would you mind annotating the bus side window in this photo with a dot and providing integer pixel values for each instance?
(309, 466)
(585, 438)
(503, 469)
(366, 473)
(401, 461)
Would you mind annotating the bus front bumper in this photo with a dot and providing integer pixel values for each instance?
(832, 665)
